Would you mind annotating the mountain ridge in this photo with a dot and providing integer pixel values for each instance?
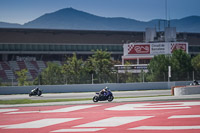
(72, 19)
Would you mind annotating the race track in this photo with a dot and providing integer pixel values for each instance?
(179, 116)
(87, 95)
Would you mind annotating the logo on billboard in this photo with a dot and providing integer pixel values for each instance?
(139, 49)
(176, 46)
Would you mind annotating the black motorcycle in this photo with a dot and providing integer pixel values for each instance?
(35, 92)
(195, 83)
(103, 97)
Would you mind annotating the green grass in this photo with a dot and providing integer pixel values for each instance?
(29, 101)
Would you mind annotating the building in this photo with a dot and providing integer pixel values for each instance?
(32, 48)
(44, 44)
(138, 55)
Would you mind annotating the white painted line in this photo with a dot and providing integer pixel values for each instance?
(24, 112)
(68, 109)
(114, 121)
(8, 110)
(155, 106)
(165, 127)
(40, 123)
(184, 116)
(127, 107)
(79, 130)
(1, 126)
(189, 103)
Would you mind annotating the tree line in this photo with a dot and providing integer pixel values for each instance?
(183, 67)
(99, 68)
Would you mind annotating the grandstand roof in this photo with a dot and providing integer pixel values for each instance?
(16, 35)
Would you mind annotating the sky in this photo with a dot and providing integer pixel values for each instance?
(23, 11)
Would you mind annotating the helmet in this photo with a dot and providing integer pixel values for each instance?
(106, 89)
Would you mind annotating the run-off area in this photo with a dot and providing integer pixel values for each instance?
(141, 117)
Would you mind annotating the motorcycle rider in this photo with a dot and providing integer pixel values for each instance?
(104, 91)
(195, 82)
(36, 90)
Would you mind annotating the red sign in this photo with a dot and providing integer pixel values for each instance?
(139, 49)
(176, 46)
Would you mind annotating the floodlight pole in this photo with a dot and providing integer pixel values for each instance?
(169, 73)
(169, 76)
(92, 78)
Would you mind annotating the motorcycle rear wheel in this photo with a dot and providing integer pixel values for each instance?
(95, 99)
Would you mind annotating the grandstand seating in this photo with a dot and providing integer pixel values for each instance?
(10, 74)
(14, 65)
(5, 65)
(57, 62)
(3, 75)
(33, 73)
(8, 68)
(21, 65)
(1, 67)
(41, 64)
(34, 63)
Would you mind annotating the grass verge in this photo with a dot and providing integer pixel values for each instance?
(29, 101)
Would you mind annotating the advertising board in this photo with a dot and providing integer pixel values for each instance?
(149, 49)
(139, 49)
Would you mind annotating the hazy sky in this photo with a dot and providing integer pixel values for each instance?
(22, 11)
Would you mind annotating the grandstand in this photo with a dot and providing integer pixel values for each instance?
(33, 48)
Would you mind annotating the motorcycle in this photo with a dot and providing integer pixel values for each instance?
(35, 92)
(195, 83)
(103, 97)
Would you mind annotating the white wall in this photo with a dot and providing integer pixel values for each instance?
(186, 90)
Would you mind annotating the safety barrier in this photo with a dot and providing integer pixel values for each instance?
(91, 87)
(186, 90)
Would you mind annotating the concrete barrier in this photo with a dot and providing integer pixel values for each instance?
(186, 90)
(90, 87)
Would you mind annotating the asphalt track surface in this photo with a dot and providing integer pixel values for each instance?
(86, 95)
(176, 116)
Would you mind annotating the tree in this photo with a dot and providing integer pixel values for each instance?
(73, 70)
(179, 61)
(127, 76)
(158, 68)
(180, 65)
(196, 62)
(101, 64)
(196, 65)
(22, 77)
(52, 74)
(0, 81)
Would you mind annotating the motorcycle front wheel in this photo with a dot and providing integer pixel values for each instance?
(110, 98)
(39, 93)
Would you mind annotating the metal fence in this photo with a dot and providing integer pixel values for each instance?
(114, 78)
